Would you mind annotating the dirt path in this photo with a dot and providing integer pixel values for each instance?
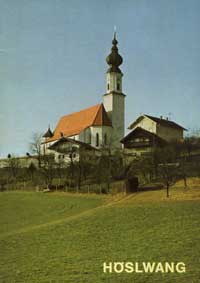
(66, 219)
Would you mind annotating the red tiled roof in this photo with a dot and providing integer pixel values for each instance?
(73, 124)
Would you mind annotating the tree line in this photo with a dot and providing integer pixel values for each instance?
(165, 165)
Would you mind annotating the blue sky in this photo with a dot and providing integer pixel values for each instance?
(52, 61)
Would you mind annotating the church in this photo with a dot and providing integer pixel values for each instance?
(101, 125)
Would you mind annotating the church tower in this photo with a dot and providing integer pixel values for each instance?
(114, 99)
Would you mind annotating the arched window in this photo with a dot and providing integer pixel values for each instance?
(105, 139)
(97, 139)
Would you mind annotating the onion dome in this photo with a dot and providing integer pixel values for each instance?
(48, 133)
(114, 59)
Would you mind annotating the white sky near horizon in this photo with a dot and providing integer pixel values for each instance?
(52, 61)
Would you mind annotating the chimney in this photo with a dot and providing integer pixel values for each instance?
(161, 117)
(167, 118)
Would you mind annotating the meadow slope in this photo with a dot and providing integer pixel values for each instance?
(67, 238)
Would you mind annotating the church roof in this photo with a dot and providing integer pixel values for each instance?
(73, 124)
(160, 121)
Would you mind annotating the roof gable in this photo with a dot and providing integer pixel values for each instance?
(140, 132)
(165, 122)
(160, 121)
(101, 118)
(73, 124)
(63, 144)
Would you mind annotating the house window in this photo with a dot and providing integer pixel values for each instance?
(105, 139)
(97, 139)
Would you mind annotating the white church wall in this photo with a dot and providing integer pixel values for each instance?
(94, 131)
(106, 131)
(114, 105)
(114, 82)
(108, 104)
(118, 117)
(87, 135)
(101, 131)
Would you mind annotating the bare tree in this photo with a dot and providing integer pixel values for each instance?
(35, 147)
(167, 167)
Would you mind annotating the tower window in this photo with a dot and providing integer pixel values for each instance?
(118, 86)
(97, 139)
(108, 86)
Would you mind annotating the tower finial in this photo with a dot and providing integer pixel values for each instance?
(115, 32)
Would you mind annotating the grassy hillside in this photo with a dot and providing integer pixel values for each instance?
(28, 209)
(66, 237)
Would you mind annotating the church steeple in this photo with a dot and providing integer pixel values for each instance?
(114, 74)
(114, 59)
(114, 99)
(48, 133)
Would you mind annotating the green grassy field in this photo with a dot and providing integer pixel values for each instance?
(66, 238)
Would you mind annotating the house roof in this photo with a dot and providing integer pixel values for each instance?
(142, 132)
(73, 124)
(63, 140)
(160, 121)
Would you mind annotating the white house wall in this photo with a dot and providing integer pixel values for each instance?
(169, 133)
(147, 124)
(45, 146)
